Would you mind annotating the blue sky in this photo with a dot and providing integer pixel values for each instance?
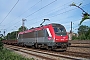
(34, 11)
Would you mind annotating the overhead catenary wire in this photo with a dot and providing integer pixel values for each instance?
(62, 13)
(67, 11)
(9, 12)
(41, 8)
(41, 5)
(23, 13)
(49, 12)
(26, 11)
(55, 9)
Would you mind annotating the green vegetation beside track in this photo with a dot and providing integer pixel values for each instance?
(6, 54)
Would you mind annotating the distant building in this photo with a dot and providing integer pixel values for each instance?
(71, 34)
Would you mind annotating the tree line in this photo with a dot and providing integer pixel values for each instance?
(13, 35)
(83, 33)
(83, 30)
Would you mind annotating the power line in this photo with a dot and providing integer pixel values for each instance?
(41, 8)
(55, 11)
(24, 12)
(9, 12)
(63, 12)
(30, 8)
(66, 11)
(47, 12)
(57, 7)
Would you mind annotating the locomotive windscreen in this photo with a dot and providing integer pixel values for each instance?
(59, 30)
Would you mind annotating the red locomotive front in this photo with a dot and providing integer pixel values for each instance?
(58, 34)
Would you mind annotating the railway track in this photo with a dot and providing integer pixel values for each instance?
(26, 51)
(79, 41)
(48, 55)
(77, 54)
(81, 46)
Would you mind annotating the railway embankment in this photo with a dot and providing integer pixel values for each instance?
(79, 49)
(7, 54)
(80, 46)
(50, 55)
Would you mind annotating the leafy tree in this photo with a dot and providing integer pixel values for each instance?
(88, 34)
(22, 28)
(14, 34)
(1, 37)
(82, 37)
(1, 44)
(85, 17)
(84, 32)
(8, 36)
(75, 38)
(83, 29)
(85, 14)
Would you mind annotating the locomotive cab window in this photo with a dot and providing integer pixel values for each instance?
(59, 31)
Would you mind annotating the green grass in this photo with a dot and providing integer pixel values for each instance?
(10, 55)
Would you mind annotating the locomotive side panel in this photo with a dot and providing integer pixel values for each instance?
(40, 37)
(43, 38)
(27, 38)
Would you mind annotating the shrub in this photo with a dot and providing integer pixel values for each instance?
(9, 55)
(1, 45)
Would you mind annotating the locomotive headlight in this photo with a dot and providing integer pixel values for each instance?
(62, 39)
(50, 38)
(57, 39)
(66, 39)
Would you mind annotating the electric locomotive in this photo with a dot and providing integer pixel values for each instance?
(51, 36)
